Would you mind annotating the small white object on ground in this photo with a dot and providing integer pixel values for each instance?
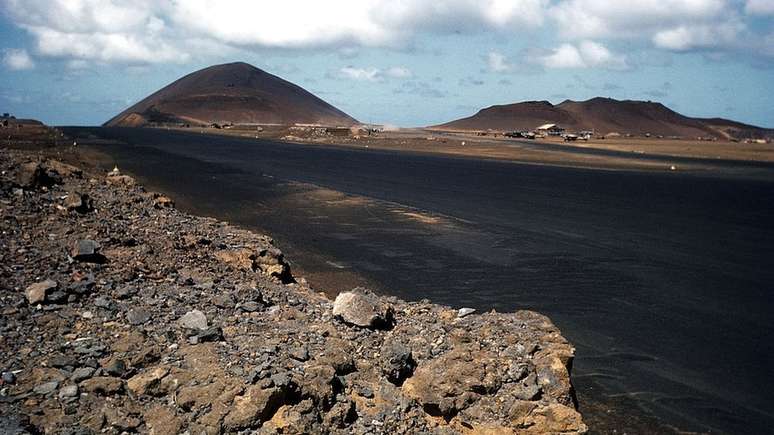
(462, 312)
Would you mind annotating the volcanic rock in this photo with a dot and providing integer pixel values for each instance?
(253, 408)
(46, 388)
(147, 383)
(397, 362)
(361, 307)
(68, 391)
(137, 316)
(462, 312)
(270, 262)
(305, 364)
(162, 420)
(28, 174)
(78, 202)
(87, 251)
(452, 382)
(194, 319)
(35, 174)
(213, 333)
(102, 385)
(36, 293)
(116, 178)
(81, 373)
(162, 201)
(8, 378)
(115, 367)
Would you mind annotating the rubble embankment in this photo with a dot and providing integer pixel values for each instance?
(122, 314)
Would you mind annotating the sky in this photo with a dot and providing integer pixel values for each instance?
(396, 62)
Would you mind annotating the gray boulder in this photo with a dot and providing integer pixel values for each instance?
(87, 251)
(46, 388)
(195, 320)
(137, 316)
(397, 362)
(360, 307)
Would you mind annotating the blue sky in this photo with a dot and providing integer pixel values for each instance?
(407, 63)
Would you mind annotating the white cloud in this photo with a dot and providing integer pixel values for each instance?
(605, 18)
(372, 74)
(565, 56)
(17, 60)
(586, 54)
(364, 74)
(498, 62)
(676, 25)
(300, 23)
(595, 54)
(148, 31)
(98, 30)
(760, 7)
(398, 72)
(106, 47)
(684, 38)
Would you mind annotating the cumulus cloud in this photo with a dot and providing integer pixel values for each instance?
(605, 18)
(372, 74)
(673, 25)
(111, 47)
(147, 31)
(715, 36)
(300, 23)
(101, 30)
(759, 7)
(586, 54)
(17, 60)
(565, 56)
(367, 74)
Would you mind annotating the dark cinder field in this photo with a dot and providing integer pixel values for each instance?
(661, 279)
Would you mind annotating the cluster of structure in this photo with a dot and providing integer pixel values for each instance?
(546, 130)
(293, 132)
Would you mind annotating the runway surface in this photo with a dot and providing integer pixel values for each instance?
(662, 280)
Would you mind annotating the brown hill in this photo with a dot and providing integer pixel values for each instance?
(236, 93)
(736, 129)
(603, 115)
(520, 116)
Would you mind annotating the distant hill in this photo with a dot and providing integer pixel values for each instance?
(236, 93)
(604, 115)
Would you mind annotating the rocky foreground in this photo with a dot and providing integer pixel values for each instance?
(121, 314)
